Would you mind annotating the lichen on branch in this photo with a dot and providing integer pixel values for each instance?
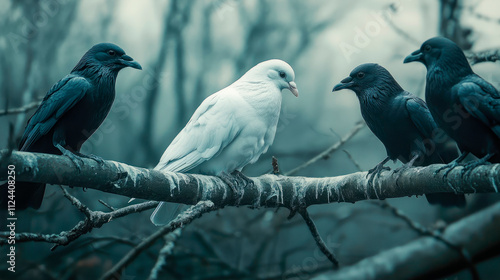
(265, 191)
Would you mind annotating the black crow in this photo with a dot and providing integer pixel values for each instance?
(402, 122)
(463, 104)
(69, 114)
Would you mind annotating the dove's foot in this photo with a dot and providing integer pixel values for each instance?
(469, 167)
(77, 161)
(243, 177)
(233, 182)
(450, 166)
(98, 159)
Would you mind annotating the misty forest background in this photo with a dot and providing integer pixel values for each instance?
(191, 49)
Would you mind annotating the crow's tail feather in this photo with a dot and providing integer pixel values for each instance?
(25, 195)
(446, 199)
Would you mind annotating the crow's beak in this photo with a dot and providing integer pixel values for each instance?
(293, 88)
(345, 83)
(128, 61)
(414, 56)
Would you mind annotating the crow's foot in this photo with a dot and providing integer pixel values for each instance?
(77, 161)
(98, 159)
(450, 166)
(469, 167)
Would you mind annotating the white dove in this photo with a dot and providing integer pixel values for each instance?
(232, 127)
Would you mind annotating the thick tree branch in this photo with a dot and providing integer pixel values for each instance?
(433, 233)
(266, 191)
(428, 257)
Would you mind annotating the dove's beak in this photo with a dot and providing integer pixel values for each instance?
(293, 88)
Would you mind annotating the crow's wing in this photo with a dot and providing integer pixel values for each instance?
(481, 100)
(420, 116)
(445, 148)
(59, 100)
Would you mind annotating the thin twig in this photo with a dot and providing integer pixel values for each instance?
(483, 56)
(276, 168)
(20, 110)
(351, 158)
(107, 205)
(180, 221)
(80, 206)
(319, 241)
(326, 153)
(165, 251)
(472, 10)
(405, 35)
(94, 219)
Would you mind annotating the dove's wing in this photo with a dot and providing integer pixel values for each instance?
(211, 128)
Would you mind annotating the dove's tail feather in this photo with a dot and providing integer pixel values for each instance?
(166, 212)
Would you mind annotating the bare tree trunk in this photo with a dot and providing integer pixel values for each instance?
(450, 25)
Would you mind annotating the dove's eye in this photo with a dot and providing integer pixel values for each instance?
(111, 52)
(282, 74)
(360, 75)
(427, 48)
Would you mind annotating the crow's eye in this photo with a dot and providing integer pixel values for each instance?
(360, 75)
(111, 52)
(282, 74)
(427, 48)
